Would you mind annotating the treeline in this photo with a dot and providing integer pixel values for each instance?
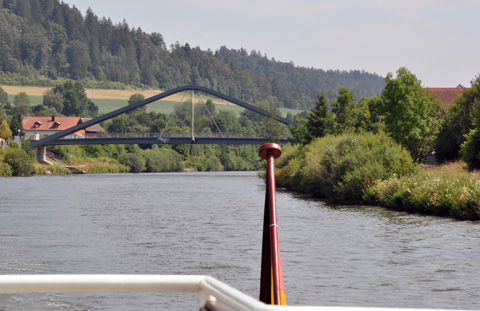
(44, 40)
(297, 80)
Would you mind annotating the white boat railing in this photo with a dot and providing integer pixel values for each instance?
(213, 294)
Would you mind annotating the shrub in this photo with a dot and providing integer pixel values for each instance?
(340, 168)
(51, 169)
(233, 162)
(214, 164)
(470, 150)
(105, 165)
(112, 151)
(174, 160)
(59, 151)
(134, 161)
(153, 161)
(162, 160)
(198, 163)
(32, 152)
(94, 151)
(5, 170)
(20, 162)
(438, 191)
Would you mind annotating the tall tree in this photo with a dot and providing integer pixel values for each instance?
(75, 98)
(321, 120)
(270, 126)
(457, 124)
(135, 98)
(53, 99)
(79, 59)
(33, 47)
(5, 131)
(344, 108)
(118, 125)
(16, 124)
(58, 40)
(470, 148)
(412, 116)
(21, 104)
(3, 97)
(375, 123)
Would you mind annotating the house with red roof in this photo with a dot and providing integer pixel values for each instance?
(44, 126)
(447, 94)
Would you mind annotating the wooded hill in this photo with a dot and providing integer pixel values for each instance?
(45, 40)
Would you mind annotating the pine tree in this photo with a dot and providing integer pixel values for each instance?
(321, 120)
(16, 124)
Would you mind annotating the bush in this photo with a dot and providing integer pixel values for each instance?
(5, 170)
(214, 164)
(162, 160)
(32, 152)
(94, 151)
(134, 161)
(153, 161)
(340, 168)
(470, 150)
(20, 162)
(51, 169)
(233, 162)
(203, 163)
(174, 160)
(439, 191)
(105, 165)
(59, 151)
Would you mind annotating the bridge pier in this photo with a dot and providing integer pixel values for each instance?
(41, 155)
(41, 151)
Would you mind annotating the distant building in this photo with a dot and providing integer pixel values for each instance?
(447, 94)
(45, 126)
(3, 143)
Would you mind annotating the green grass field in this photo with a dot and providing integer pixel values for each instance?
(107, 105)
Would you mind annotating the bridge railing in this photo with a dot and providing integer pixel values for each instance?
(167, 135)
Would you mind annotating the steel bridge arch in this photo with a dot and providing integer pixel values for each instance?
(52, 138)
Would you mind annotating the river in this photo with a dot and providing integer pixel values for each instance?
(211, 224)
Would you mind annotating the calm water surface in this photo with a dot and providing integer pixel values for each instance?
(211, 223)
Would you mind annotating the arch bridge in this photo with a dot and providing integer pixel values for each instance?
(61, 138)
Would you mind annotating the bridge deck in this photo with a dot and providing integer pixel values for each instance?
(166, 138)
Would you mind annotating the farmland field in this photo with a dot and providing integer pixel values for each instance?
(110, 100)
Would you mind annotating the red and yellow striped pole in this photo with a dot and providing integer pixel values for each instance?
(272, 288)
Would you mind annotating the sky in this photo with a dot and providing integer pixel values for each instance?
(437, 40)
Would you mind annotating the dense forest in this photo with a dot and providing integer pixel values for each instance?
(42, 41)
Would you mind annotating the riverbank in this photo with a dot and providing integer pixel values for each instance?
(446, 190)
(352, 169)
(88, 166)
(112, 159)
(372, 169)
(21, 162)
